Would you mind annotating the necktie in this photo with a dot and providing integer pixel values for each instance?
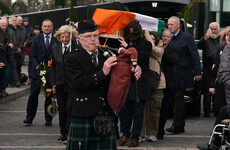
(65, 50)
(47, 41)
(94, 59)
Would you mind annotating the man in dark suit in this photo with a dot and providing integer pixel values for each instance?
(188, 69)
(40, 52)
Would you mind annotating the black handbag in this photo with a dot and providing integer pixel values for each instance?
(103, 125)
(154, 78)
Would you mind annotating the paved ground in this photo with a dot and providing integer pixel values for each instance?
(14, 135)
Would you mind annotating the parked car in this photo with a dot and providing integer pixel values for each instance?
(192, 98)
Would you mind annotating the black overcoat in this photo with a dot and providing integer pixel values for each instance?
(88, 83)
(144, 49)
(188, 61)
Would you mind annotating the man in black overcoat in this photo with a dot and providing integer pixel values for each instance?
(208, 45)
(188, 70)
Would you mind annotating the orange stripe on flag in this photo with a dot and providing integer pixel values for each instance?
(109, 21)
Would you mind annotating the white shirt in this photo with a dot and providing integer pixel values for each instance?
(50, 35)
(63, 47)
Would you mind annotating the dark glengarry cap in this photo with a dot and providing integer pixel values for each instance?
(86, 26)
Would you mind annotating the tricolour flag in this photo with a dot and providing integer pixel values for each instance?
(111, 23)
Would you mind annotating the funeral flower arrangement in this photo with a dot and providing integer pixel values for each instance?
(41, 70)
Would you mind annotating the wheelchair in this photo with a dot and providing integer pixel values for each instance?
(222, 130)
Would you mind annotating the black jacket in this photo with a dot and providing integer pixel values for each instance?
(168, 65)
(216, 63)
(88, 83)
(4, 40)
(144, 49)
(208, 48)
(188, 61)
(57, 67)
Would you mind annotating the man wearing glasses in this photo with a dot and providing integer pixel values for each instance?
(86, 72)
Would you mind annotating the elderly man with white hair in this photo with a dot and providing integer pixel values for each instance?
(208, 44)
(5, 43)
(11, 53)
(23, 35)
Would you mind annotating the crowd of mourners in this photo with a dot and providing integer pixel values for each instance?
(78, 74)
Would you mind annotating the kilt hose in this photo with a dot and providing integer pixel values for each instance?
(83, 137)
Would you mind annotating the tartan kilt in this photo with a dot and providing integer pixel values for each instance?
(83, 137)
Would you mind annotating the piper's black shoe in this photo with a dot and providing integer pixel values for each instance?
(175, 129)
(27, 121)
(62, 139)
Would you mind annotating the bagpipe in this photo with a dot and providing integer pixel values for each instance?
(120, 75)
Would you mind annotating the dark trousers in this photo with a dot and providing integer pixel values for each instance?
(64, 117)
(166, 103)
(3, 77)
(132, 112)
(13, 70)
(178, 109)
(206, 82)
(20, 60)
(32, 103)
(219, 98)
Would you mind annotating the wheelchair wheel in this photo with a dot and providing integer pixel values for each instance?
(52, 111)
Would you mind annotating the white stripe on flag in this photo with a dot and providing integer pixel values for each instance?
(147, 22)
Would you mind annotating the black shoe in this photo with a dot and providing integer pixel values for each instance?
(4, 93)
(175, 129)
(17, 84)
(208, 147)
(160, 136)
(48, 123)
(1, 94)
(62, 139)
(27, 121)
(207, 115)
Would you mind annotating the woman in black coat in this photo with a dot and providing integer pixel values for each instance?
(168, 65)
(57, 80)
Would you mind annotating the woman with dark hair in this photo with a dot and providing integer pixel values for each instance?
(139, 92)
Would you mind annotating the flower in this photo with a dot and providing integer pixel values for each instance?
(41, 70)
(43, 80)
